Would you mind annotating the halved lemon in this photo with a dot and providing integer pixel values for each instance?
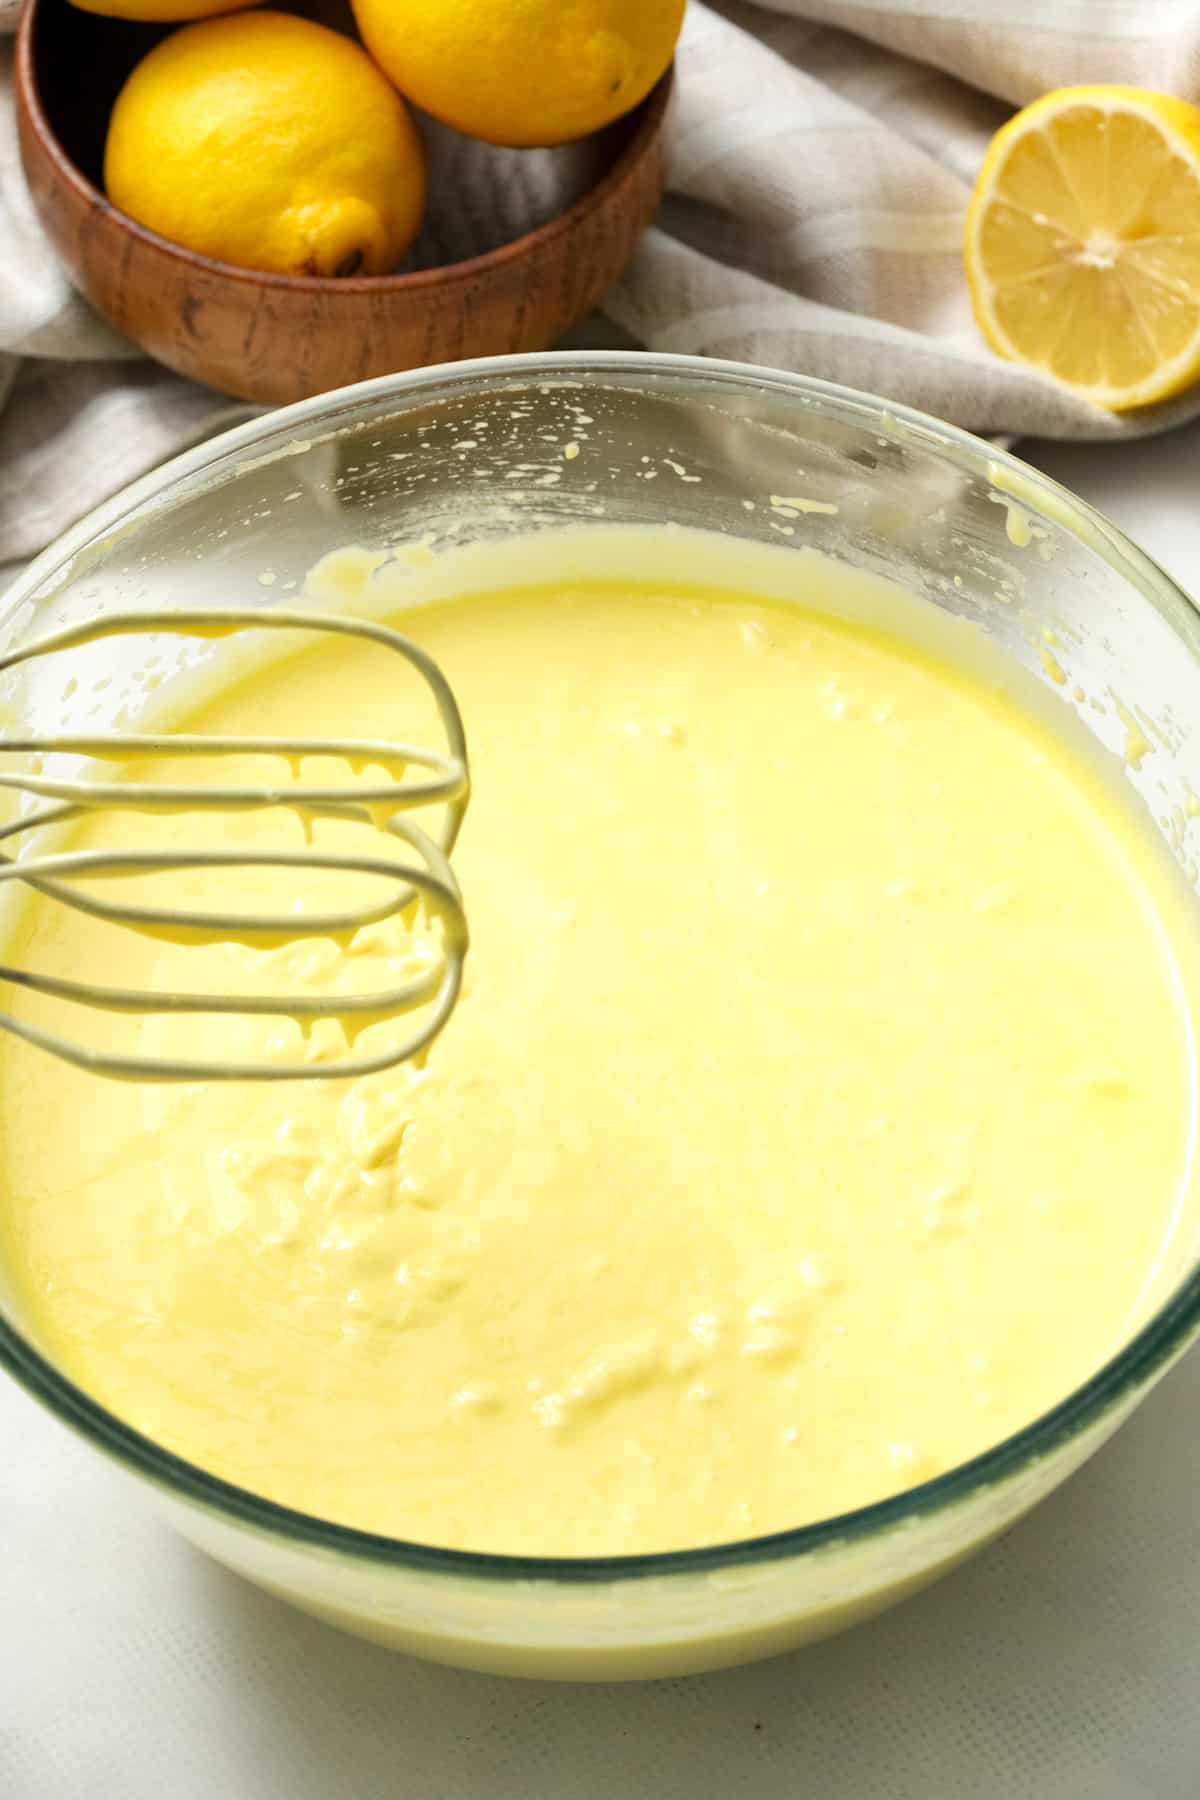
(1083, 242)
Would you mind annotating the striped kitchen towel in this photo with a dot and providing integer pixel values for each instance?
(824, 151)
(819, 181)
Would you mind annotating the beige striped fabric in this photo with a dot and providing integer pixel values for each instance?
(823, 154)
(815, 215)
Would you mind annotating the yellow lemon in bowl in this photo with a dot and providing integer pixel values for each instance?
(522, 72)
(268, 142)
(161, 12)
(1083, 242)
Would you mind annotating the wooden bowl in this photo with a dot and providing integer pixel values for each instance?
(276, 338)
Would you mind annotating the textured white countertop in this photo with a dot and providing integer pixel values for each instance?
(1062, 1664)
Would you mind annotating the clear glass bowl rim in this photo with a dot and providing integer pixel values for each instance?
(1133, 1366)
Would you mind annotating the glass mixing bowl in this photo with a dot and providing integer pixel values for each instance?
(482, 449)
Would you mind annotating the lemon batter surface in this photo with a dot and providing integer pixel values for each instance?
(816, 1113)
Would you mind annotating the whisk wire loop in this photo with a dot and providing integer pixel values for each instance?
(426, 879)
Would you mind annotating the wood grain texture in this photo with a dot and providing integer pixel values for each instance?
(277, 338)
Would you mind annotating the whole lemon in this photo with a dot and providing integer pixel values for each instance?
(522, 72)
(263, 140)
(167, 12)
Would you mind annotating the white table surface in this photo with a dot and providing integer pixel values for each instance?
(1062, 1664)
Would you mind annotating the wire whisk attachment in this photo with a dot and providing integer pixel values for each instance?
(421, 880)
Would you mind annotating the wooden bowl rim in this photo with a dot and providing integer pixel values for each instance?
(650, 114)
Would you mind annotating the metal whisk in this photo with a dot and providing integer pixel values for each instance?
(427, 880)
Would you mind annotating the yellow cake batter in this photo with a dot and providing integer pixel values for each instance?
(817, 1113)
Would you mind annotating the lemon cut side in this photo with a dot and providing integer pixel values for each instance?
(1083, 243)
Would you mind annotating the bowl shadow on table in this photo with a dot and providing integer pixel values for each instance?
(1045, 1654)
